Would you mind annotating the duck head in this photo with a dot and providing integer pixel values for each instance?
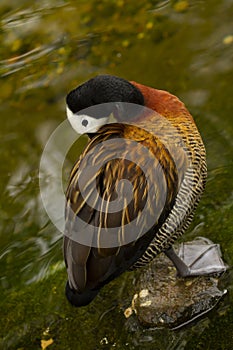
(90, 105)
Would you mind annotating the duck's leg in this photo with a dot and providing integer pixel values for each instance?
(199, 257)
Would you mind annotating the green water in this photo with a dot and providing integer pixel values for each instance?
(47, 48)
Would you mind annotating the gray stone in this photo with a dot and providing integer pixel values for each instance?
(165, 300)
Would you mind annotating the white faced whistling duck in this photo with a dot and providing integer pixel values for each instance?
(91, 266)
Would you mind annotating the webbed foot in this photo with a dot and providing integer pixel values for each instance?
(199, 257)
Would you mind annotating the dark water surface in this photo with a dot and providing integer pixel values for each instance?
(47, 48)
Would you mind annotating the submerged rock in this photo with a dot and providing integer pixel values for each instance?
(165, 300)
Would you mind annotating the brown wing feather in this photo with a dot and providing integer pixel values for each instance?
(90, 267)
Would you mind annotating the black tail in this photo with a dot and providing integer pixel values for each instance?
(77, 299)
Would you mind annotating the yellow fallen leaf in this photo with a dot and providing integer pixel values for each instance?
(181, 6)
(128, 312)
(149, 25)
(45, 343)
(125, 43)
(228, 40)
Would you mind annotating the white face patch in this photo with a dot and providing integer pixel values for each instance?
(83, 124)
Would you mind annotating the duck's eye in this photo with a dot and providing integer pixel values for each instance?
(84, 122)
